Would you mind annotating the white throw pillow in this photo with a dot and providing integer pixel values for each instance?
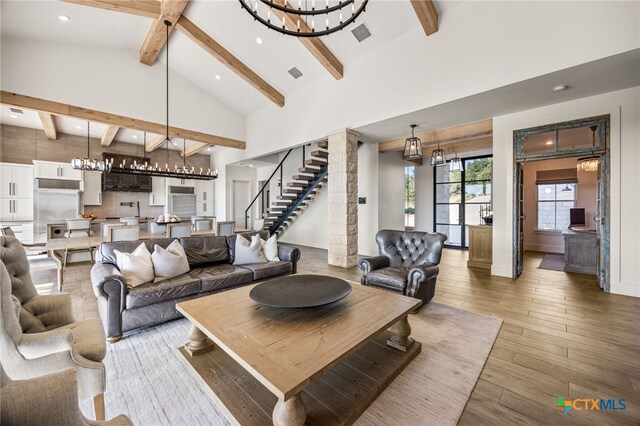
(136, 267)
(270, 249)
(248, 252)
(169, 262)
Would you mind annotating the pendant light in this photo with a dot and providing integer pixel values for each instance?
(456, 164)
(412, 146)
(590, 164)
(438, 157)
(185, 171)
(566, 188)
(89, 163)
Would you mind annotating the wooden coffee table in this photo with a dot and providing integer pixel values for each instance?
(321, 365)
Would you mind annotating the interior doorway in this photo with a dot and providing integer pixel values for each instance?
(578, 147)
(241, 199)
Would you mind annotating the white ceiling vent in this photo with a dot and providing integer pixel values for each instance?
(295, 73)
(16, 110)
(361, 32)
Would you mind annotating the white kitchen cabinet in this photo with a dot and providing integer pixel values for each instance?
(158, 193)
(92, 188)
(16, 180)
(51, 170)
(204, 208)
(16, 195)
(204, 190)
(22, 230)
(16, 209)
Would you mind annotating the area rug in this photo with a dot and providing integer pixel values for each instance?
(147, 380)
(553, 262)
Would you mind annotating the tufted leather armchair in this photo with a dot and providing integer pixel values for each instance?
(38, 333)
(407, 264)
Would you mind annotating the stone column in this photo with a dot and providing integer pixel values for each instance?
(343, 198)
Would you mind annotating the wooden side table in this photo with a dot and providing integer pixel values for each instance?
(480, 246)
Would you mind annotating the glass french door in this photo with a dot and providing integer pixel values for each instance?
(462, 198)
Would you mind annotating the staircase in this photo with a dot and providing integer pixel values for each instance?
(297, 178)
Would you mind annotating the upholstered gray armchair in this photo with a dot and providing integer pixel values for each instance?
(51, 399)
(38, 334)
(407, 264)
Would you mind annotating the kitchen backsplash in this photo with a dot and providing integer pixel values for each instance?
(111, 205)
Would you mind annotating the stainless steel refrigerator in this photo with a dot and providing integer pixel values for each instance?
(55, 202)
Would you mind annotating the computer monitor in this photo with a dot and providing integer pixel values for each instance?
(576, 217)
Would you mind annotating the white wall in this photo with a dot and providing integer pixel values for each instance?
(624, 108)
(112, 80)
(310, 228)
(368, 166)
(506, 42)
(553, 241)
(391, 191)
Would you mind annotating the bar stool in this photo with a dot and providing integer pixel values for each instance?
(78, 228)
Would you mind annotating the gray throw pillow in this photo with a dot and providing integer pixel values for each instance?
(169, 262)
(248, 252)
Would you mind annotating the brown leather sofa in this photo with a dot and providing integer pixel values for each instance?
(407, 264)
(210, 258)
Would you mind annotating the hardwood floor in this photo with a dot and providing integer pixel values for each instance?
(561, 336)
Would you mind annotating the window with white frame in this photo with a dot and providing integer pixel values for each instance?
(553, 205)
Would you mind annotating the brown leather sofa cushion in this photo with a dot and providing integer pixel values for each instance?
(219, 277)
(392, 278)
(266, 270)
(206, 249)
(174, 288)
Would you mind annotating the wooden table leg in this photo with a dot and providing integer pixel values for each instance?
(198, 342)
(290, 412)
(400, 332)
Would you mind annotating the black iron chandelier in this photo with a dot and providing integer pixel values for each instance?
(311, 18)
(88, 163)
(184, 171)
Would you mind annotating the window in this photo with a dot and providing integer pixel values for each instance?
(554, 202)
(409, 197)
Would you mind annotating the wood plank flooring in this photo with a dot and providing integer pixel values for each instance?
(561, 336)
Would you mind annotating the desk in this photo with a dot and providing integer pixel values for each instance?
(581, 251)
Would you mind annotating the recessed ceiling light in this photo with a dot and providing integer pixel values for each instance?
(549, 142)
(209, 149)
(258, 40)
(135, 136)
(218, 77)
(13, 116)
(63, 18)
(560, 88)
(250, 165)
(79, 127)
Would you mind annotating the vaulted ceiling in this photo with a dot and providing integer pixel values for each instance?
(226, 23)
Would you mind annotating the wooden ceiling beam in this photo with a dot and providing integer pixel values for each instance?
(148, 8)
(109, 135)
(48, 125)
(58, 108)
(194, 149)
(156, 37)
(313, 44)
(467, 131)
(153, 143)
(427, 15)
(214, 48)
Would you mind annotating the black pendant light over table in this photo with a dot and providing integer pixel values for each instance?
(438, 157)
(184, 171)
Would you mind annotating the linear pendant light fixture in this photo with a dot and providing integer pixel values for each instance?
(412, 146)
(305, 18)
(185, 171)
(590, 164)
(88, 163)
